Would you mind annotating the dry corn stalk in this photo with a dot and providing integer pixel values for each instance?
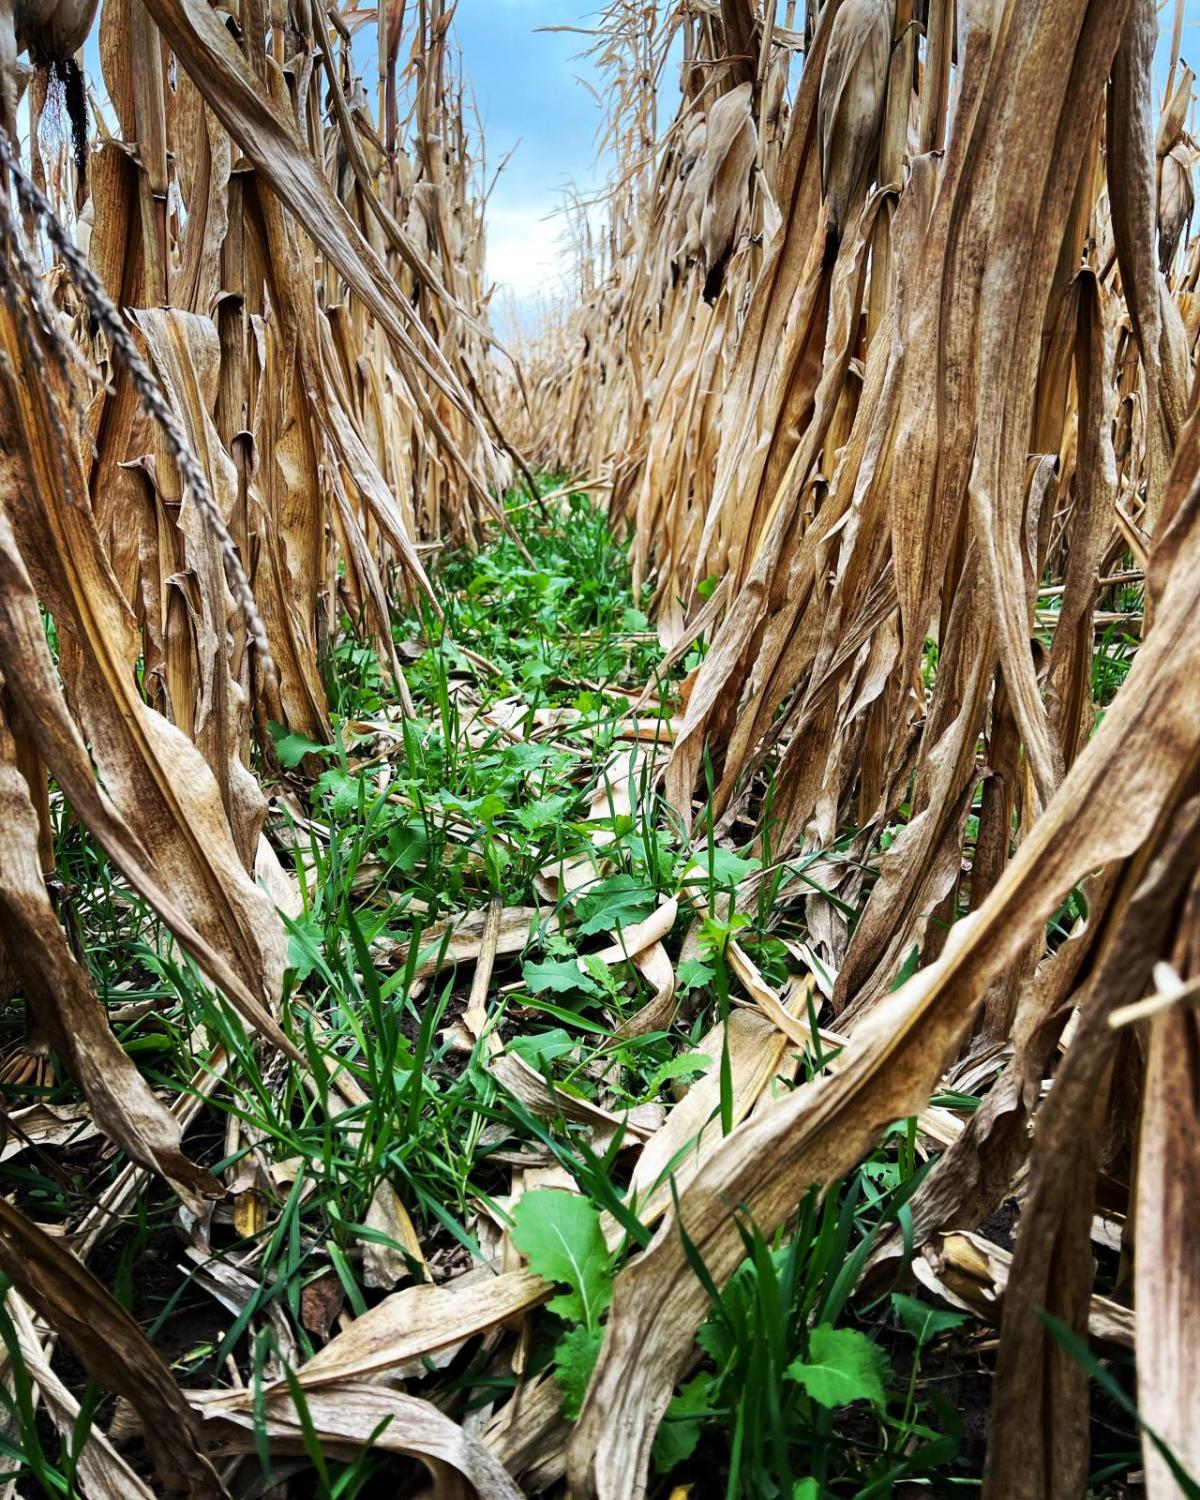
(943, 369)
(877, 355)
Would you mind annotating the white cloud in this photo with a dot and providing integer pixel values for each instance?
(525, 249)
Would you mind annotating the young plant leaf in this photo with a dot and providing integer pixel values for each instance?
(614, 903)
(922, 1322)
(679, 1434)
(559, 976)
(574, 1360)
(693, 974)
(290, 749)
(843, 1366)
(559, 1234)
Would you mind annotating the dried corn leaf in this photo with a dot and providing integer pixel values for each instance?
(421, 1320)
(60, 999)
(1110, 801)
(350, 1417)
(102, 1474)
(112, 1348)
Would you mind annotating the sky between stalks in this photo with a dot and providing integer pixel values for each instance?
(533, 90)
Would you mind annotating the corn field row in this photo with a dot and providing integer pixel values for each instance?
(881, 358)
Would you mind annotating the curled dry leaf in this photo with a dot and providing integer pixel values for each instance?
(43, 1125)
(58, 993)
(630, 941)
(421, 1320)
(102, 1473)
(654, 964)
(972, 1272)
(346, 1419)
(529, 1434)
(461, 939)
(692, 1130)
(543, 1099)
(1176, 204)
(111, 1347)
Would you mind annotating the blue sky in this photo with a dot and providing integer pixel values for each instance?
(528, 91)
